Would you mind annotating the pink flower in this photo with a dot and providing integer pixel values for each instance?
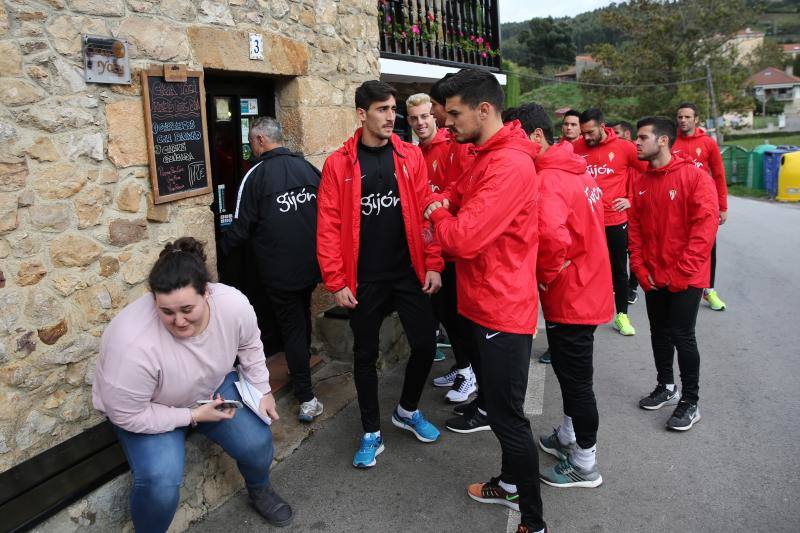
(388, 17)
(430, 16)
(415, 29)
(461, 33)
(471, 37)
(404, 35)
(488, 46)
(479, 40)
(483, 54)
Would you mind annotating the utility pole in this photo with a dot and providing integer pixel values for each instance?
(710, 84)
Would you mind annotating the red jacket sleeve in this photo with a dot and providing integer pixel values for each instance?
(422, 190)
(329, 220)
(492, 206)
(703, 220)
(635, 245)
(718, 173)
(554, 237)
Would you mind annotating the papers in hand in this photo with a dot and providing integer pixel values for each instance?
(251, 397)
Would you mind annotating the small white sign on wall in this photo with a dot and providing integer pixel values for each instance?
(256, 46)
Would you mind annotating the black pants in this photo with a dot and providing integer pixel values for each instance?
(633, 283)
(617, 238)
(571, 352)
(673, 316)
(713, 264)
(505, 360)
(375, 301)
(293, 314)
(459, 331)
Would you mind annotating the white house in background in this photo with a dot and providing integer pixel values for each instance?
(774, 84)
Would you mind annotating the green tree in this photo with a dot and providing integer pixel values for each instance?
(547, 42)
(767, 54)
(512, 84)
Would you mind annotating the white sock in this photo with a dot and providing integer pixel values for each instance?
(566, 432)
(584, 458)
(706, 291)
(508, 487)
(670, 387)
(377, 434)
(466, 372)
(405, 414)
(481, 411)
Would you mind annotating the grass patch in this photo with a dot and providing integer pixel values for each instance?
(737, 189)
(777, 139)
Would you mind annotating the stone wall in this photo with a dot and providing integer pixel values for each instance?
(78, 229)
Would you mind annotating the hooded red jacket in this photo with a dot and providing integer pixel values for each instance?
(494, 237)
(673, 224)
(571, 229)
(704, 152)
(612, 163)
(436, 154)
(339, 213)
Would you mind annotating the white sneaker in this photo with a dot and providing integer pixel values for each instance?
(309, 410)
(447, 380)
(462, 388)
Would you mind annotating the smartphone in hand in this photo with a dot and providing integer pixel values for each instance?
(226, 404)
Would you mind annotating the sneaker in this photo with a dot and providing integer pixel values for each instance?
(309, 410)
(553, 446)
(443, 342)
(371, 446)
(439, 356)
(660, 397)
(492, 492)
(461, 389)
(466, 409)
(469, 423)
(545, 357)
(684, 416)
(522, 528)
(565, 474)
(623, 324)
(271, 506)
(447, 380)
(714, 300)
(421, 428)
(633, 296)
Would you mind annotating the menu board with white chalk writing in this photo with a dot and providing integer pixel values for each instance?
(177, 136)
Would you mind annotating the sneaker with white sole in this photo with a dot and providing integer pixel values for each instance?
(552, 445)
(369, 448)
(462, 388)
(660, 397)
(685, 416)
(416, 424)
(309, 410)
(623, 324)
(469, 423)
(492, 492)
(446, 380)
(566, 474)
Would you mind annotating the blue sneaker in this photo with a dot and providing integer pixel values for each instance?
(371, 447)
(421, 428)
(439, 356)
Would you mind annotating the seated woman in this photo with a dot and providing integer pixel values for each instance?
(162, 354)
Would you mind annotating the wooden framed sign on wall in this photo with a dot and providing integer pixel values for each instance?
(177, 135)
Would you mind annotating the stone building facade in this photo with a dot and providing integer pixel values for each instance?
(78, 226)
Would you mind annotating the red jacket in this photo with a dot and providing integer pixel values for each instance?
(436, 155)
(571, 229)
(673, 224)
(612, 164)
(339, 213)
(704, 152)
(494, 237)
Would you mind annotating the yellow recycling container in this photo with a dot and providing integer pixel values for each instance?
(789, 178)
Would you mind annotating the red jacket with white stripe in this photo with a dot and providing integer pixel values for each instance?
(571, 229)
(612, 163)
(704, 152)
(672, 227)
(494, 236)
(339, 213)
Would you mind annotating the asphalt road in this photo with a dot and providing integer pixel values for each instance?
(737, 470)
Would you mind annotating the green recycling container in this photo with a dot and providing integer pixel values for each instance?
(755, 166)
(734, 159)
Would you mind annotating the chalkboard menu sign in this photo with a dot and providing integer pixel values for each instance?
(175, 116)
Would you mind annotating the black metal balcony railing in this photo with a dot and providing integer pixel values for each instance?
(459, 32)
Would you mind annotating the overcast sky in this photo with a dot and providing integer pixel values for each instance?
(520, 10)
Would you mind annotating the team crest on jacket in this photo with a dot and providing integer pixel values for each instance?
(435, 164)
(611, 156)
(672, 194)
(699, 151)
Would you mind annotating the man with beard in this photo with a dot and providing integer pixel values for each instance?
(380, 258)
(674, 221)
(704, 152)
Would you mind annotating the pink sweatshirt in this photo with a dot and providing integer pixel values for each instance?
(147, 379)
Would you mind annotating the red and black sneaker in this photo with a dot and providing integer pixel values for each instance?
(492, 492)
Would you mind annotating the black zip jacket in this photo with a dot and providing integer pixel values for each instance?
(276, 211)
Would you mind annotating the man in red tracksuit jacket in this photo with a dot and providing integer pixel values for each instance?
(436, 145)
(611, 162)
(574, 276)
(493, 238)
(377, 254)
(704, 152)
(674, 221)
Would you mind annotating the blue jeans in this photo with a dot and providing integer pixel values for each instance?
(156, 460)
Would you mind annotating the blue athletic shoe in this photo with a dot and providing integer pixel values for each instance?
(371, 447)
(421, 428)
